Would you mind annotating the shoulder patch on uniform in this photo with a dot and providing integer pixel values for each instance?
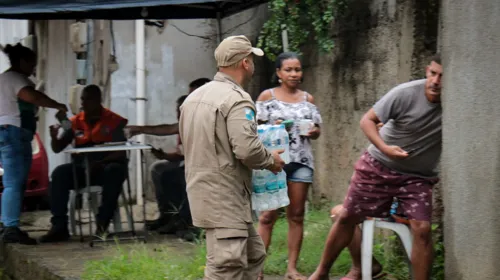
(249, 114)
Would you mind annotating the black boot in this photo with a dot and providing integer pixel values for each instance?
(158, 223)
(55, 234)
(175, 224)
(102, 229)
(16, 235)
(191, 234)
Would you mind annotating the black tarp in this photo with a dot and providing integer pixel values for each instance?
(122, 9)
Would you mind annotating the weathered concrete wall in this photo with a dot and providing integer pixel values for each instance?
(471, 131)
(173, 59)
(59, 75)
(379, 44)
(249, 23)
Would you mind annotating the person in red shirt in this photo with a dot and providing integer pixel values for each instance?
(94, 125)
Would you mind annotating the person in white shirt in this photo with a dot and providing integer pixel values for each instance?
(18, 101)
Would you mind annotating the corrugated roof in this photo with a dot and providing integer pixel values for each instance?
(122, 9)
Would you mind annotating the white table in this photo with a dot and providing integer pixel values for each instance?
(127, 146)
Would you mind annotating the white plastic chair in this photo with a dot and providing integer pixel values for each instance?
(94, 192)
(402, 230)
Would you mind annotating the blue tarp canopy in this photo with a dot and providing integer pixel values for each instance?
(122, 9)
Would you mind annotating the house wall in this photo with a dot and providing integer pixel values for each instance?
(471, 133)
(249, 23)
(58, 74)
(173, 60)
(378, 45)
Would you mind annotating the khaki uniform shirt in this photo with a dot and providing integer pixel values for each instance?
(218, 129)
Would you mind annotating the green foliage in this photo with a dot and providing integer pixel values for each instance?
(303, 19)
(141, 262)
(438, 264)
(316, 227)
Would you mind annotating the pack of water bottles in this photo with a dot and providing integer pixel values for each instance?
(269, 190)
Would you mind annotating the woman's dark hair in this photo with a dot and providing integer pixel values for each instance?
(18, 52)
(199, 82)
(180, 100)
(285, 56)
(279, 63)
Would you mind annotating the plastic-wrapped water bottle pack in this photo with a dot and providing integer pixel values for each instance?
(269, 190)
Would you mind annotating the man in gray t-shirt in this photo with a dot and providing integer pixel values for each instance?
(400, 164)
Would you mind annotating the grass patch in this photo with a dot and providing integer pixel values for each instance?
(316, 227)
(139, 262)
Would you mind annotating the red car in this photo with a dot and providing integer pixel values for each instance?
(38, 178)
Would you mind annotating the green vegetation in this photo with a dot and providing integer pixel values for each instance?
(146, 264)
(300, 16)
(166, 263)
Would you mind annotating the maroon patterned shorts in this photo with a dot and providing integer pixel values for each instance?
(373, 187)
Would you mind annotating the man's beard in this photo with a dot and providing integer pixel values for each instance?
(248, 78)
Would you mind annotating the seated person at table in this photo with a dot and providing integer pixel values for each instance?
(170, 184)
(167, 173)
(94, 125)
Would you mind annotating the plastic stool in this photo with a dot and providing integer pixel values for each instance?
(94, 192)
(401, 229)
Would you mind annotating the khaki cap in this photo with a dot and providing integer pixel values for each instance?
(233, 49)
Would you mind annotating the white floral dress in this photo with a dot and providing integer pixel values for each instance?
(271, 110)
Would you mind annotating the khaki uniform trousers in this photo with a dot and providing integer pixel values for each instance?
(234, 254)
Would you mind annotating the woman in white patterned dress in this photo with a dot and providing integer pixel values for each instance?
(288, 102)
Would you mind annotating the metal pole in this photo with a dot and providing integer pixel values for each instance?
(284, 37)
(140, 98)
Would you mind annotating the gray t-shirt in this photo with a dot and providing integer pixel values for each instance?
(412, 123)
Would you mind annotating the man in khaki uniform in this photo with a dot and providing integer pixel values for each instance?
(221, 147)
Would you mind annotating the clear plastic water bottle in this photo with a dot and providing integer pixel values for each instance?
(275, 195)
(63, 120)
(259, 201)
(283, 142)
(283, 189)
(272, 190)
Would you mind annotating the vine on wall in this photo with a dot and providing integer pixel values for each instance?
(304, 20)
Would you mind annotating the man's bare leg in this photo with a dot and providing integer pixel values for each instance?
(355, 250)
(339, 237)
(421, 255)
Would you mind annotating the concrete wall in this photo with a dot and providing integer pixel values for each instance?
(249, 23)
(379, 44)
(173, 60)
(59, 75)
(176, 55)
(471, 131)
